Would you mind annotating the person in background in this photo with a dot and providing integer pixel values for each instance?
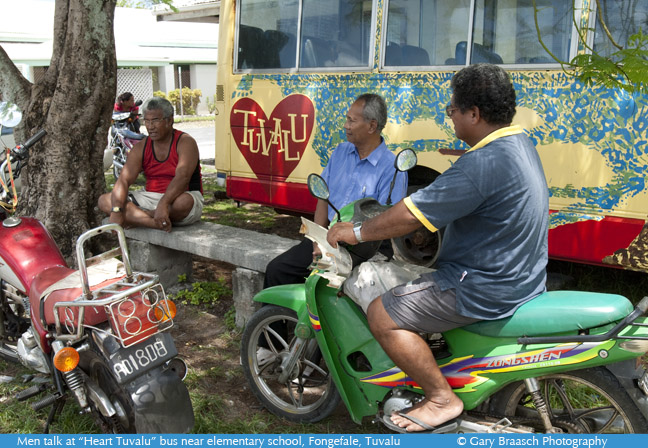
(126, 103)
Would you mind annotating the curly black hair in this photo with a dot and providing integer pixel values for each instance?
(487, 87)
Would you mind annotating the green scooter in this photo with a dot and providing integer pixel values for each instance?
(565, 362)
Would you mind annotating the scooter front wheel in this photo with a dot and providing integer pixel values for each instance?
(308, 394)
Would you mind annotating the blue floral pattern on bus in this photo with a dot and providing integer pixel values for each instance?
(606, 121)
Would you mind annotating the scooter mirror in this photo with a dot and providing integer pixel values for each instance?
(405, 160)
(138, 102)
(10, 115)
(317, 187)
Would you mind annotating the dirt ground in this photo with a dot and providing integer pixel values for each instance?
(206, 343)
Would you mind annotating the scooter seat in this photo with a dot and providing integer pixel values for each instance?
(557, 312)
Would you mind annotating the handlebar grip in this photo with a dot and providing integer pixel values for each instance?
(643, 305)
(34, 139)
(21, 151)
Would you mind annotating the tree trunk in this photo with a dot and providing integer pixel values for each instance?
(73, 103)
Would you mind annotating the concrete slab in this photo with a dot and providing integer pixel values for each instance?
(168, 254)
(240, 247)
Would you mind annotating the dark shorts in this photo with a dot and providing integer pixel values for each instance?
(421, 306)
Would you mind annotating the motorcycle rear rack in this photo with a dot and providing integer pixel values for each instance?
(135, 305)
(640, 310)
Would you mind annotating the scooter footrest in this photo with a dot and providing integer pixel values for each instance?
(30, 392)
(47, 401)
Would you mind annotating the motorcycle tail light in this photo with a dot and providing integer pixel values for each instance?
(141, 315)
(635, 345)
(134, 320)
(66, 359)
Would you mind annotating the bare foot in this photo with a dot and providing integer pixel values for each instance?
(433, 413)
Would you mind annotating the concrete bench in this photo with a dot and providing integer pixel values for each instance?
(170, 255)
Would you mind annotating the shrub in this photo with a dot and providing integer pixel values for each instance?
(211, 104)
(190, 100)
(204, 293)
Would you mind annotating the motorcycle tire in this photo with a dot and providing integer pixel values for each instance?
(14, 321)
(100, 372)
(309, 395)
(589, 401)
(116, 171)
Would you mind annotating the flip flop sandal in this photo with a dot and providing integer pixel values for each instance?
(448, 426)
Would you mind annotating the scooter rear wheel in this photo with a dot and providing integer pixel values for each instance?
(590, 401)
(309, 394)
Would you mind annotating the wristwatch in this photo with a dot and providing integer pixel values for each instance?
(116, 210)
(357, 228)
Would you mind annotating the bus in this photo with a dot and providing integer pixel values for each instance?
(289, 69)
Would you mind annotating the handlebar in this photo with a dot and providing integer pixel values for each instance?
(21, 150)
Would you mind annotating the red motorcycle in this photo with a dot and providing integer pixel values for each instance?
(100, 333)
(121, 139)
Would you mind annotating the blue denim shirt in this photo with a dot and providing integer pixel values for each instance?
(350, 178)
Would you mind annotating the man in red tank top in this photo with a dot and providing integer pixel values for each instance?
(169, 160)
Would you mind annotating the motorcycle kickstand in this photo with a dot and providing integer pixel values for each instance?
(57, 407)
(533, 387)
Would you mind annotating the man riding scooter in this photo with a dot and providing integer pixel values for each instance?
(493, 204)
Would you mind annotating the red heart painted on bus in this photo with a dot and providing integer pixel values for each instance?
(273, 146)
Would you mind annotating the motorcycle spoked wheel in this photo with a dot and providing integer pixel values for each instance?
(99, 371)
(116, 171)
(590, 401)
(310, 394)
(14, 321)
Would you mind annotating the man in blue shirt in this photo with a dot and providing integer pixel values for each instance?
(493, 204)
(358, 168)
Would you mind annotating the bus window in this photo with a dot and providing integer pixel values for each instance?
(622, 21)
(425, 33)
(336, 33)
(435, 33)
(504, 31)
(267, 34)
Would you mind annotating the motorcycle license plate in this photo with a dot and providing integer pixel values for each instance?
(128, 363)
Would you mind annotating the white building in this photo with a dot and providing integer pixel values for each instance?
(153, 53)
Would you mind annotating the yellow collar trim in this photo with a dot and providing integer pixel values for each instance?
(503, 132)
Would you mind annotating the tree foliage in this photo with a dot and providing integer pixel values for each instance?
(145, 4)
(625, 68)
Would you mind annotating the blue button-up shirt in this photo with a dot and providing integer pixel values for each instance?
(349, 178)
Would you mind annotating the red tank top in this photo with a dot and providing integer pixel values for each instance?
(160, 173)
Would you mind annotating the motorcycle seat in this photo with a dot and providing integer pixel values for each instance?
(42, 303)
(557, 312)
(127, 133)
